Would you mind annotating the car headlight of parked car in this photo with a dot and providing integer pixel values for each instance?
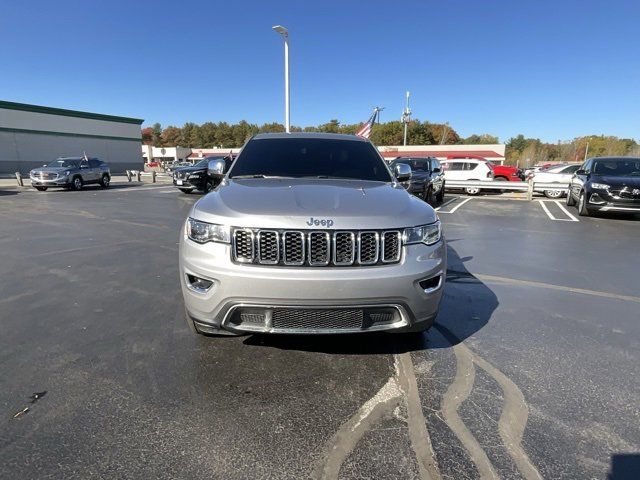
(203, 232)
(66, 173)
(427, 234)
(600, 186)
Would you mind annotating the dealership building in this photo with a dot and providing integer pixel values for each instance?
(31, 135)
(495, 153)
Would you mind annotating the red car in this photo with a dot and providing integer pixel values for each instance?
(507, 173)
(501, 173)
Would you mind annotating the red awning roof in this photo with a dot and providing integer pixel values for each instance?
(444, 154)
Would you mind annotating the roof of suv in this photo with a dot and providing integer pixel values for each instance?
(314, 135)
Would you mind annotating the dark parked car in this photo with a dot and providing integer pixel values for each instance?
(71, 172)
(197, 177)
(606, 184)
(427, 180)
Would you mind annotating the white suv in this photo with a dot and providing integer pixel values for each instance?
(467, 169)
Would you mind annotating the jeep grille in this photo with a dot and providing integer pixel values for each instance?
(316, 248)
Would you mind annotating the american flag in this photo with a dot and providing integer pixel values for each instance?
(365, 129)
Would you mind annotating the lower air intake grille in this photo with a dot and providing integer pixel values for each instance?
(291, 318)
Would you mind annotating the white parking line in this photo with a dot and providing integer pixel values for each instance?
(574, 219)
(134, 189)
(550, 215)
(451, 200)
(457, 206)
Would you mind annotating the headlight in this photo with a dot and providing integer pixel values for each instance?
(427, 234)
(600, 186)
(66, 173)
(203, 232)
(195, 175)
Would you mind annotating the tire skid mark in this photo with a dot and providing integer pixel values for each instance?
(513, 419)
(417, 424)
(457, 393)
(343, 442)
(402, 385)
(514, 415)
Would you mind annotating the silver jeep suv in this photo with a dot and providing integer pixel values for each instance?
(311, 233)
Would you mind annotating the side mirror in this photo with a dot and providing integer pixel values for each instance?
(581, 172)
(436, 170)
(215, 168)
(402, 172)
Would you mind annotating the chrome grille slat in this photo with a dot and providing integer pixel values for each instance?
(243, 245)
(316, 248)
(293, 248)
(368, 243)
(391, 246)
(344, 248)
(318, 245)
(268, 247)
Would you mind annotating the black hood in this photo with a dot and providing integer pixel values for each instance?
(190, 169)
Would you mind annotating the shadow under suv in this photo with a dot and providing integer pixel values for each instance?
(311, 233)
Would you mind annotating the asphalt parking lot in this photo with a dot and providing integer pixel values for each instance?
(531, 370)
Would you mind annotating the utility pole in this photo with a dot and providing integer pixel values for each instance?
(377, 111)
(406, 118)
(586, 151)
(445, 133)
(285, 36)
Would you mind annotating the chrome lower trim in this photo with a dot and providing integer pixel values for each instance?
(620, 209)
(437, 287)
(269, 329)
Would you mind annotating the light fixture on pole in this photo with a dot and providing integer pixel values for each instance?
(285, 35)
(406, 118)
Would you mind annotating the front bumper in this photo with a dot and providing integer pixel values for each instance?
(56, 182)
(604, 202)
(393, 290)
(189, 183)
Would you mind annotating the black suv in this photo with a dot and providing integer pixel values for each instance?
(427, 179)
(606, 184)
(71, 172)
(196, 177)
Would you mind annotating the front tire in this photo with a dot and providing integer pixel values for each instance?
(583, 211)
(428, 197)
(208, 186)
(570, 200)
(186, 190)
(105, 181)
(76, 184)
(440, 195)
(41, 189)
(472, 190)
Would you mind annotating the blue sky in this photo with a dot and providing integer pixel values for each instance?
(548, 69)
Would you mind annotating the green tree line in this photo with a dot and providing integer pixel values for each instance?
(211, 134)
(531, 151)
(520, 150)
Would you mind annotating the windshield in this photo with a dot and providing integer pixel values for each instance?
(62, 163)
(417, 165)
(310, 157)
(203, 162)
(619, 167)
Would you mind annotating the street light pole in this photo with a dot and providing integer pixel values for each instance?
(285, 35)
(406, 118)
